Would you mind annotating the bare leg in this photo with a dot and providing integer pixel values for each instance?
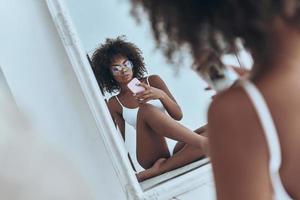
(152, 127)
(201, 131)
(183, 157)
(150, 145)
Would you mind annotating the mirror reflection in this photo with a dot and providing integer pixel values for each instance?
(147, 105)
(158, 110)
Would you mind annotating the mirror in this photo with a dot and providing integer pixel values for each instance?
(95, 21)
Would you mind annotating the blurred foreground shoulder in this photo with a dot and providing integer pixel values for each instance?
(227, 104)
(238, 151)
(229, 116)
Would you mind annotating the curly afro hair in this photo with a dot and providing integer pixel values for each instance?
(103, 56)
(202, 24)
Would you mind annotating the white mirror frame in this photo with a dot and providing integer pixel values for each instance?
(113, 142)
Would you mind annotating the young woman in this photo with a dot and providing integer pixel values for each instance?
(253, 128)
(115, 64)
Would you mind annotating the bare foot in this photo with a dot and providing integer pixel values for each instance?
(152, 171)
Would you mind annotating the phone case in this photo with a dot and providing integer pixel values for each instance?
(133, 86)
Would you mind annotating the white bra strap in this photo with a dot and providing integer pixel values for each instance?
(119, 101)
(267, 124)
(147, 80)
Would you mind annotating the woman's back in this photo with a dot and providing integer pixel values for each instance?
(246, 159)
(280, 90)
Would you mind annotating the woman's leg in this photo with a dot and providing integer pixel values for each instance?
(150, 145)
(201, 131)
(183, 157)
(152, 127)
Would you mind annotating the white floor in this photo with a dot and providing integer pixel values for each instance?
(204, 192)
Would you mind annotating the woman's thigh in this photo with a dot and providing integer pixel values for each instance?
(201, 131)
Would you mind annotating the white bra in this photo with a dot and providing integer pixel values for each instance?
(130, 114)
(271, 136)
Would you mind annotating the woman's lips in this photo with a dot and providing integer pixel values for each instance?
(127, 76)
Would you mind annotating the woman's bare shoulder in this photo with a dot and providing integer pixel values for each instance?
(228, 101)
(232, 115)
(114, 105)
(156, 81)
(232, 106)
(237, 145)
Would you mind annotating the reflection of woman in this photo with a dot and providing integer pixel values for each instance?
(253, 127)
(115, 63)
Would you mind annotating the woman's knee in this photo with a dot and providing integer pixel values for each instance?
(146, 106)
(146, 164)
(147, 161)
(146, 109)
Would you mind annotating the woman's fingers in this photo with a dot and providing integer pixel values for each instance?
(144, 85)
(145, 95)
(141, 94)
(240, 71)
(145, 100)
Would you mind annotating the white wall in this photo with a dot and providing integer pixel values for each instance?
(62, 155)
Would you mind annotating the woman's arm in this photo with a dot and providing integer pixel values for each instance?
(116, 115)
(238, 149)
(159, 90)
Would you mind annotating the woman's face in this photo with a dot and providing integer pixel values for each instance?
(121, 69)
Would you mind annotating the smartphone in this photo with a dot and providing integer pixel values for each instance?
(134, 87)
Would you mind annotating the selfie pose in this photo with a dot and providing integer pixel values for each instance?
(146, 104)
(253, 128)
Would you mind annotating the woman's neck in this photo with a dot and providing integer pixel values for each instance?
(284, 51)
(124, 89)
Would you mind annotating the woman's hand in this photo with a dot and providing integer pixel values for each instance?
(150, 93)
(242, 72)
